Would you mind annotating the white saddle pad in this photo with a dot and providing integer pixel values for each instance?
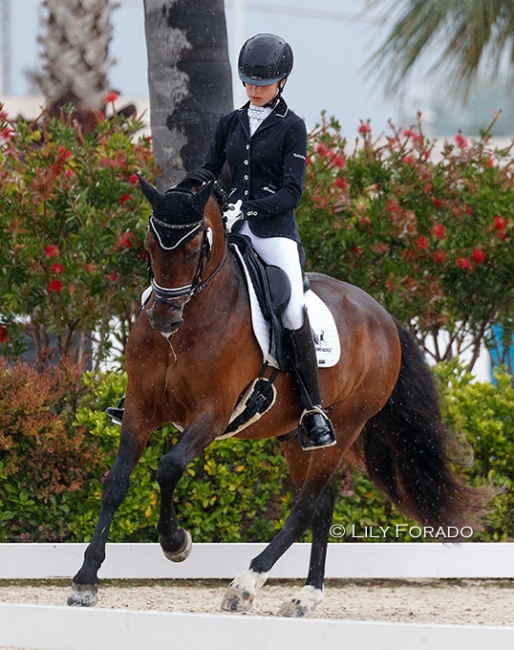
(326, 338)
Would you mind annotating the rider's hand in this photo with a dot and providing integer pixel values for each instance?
(232, 215)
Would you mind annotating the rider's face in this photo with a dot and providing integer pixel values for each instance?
(260, 95)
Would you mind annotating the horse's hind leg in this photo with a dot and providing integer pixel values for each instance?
(311, 595)
(318, 469)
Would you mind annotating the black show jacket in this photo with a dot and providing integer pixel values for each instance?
(267, 170)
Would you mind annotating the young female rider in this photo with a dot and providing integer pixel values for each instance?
(264, 144)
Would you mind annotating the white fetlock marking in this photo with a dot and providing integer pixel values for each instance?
(310, 597)
(306, 601)
(241, 591)
(249, 581)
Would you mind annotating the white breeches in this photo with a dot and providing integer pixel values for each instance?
(283, 252)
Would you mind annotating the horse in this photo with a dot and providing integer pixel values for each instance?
(195, 326)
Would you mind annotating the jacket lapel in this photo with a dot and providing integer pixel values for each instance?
(243, 118)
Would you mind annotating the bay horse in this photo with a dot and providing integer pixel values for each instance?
(192, 353)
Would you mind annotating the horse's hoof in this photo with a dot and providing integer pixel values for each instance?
(305, 602)
(237, 600)
(83, 595)
(183, 552)
(293, 609)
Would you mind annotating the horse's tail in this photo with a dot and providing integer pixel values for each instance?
(407, 450)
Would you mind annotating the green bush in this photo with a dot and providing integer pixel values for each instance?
(72, 222)
(56, 446)
(426, 228)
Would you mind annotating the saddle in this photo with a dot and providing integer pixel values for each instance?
(273, 291)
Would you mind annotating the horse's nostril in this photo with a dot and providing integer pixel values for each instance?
(163, 325)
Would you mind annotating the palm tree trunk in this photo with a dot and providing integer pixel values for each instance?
(75, 39)
(189, 80)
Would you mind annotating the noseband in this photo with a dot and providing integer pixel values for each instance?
(166, 296)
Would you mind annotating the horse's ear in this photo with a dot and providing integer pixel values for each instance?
(152, 193)
(199, 200)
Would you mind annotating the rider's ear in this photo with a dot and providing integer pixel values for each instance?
(199, 200)
(152, 193)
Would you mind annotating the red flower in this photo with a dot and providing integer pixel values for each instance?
(4, 334)
(89, 268)
(479, 255)
(133, 179)
(364, 128)
(421, 243)
(489, 162)
(438, 231)
(439, 257)
(437, 203)
(113, 276)
(321, 149)
(63, 154)
(341, 183)
(308, 160)
(125, 241)
(428, 188)
(55, 286)
(392, 206)
(124, 199)
(460, 141)
(408, 160)
(500, 223)
(69, 173)
(111, 97)
(339, 161)
(57, 269)
(463, 263)
(51, 251)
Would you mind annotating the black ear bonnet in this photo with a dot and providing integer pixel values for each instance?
(177, 215)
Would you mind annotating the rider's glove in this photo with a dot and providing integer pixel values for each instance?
(232, 215)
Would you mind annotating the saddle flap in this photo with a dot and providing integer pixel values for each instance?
(279, 287)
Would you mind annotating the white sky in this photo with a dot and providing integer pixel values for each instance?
(329, 42)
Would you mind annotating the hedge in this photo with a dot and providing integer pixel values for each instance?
(56, 446)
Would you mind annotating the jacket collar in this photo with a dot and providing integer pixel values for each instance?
(279, 111)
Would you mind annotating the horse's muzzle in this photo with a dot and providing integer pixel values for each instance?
(165, 320)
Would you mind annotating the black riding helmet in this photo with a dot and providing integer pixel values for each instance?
(265, 59)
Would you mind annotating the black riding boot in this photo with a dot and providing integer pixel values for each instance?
(315, 429)
(116, 412)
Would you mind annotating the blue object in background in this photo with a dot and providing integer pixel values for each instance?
(499, 355)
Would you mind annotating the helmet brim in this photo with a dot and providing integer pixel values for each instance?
(257, 81)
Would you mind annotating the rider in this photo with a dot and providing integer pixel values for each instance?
(265, 144)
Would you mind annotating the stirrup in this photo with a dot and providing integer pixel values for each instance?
(116, 412)
(315, 430)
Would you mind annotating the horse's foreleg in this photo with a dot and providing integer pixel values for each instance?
(242, 590)
(311, 595)
(84, 590)
(176, 542)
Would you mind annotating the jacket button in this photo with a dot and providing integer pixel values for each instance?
(245, 177)
(246, 162)
(247, 146)
(246, 192)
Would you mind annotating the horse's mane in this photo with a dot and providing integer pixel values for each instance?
(195, 178)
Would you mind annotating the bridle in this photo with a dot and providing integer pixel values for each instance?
(166, 296)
